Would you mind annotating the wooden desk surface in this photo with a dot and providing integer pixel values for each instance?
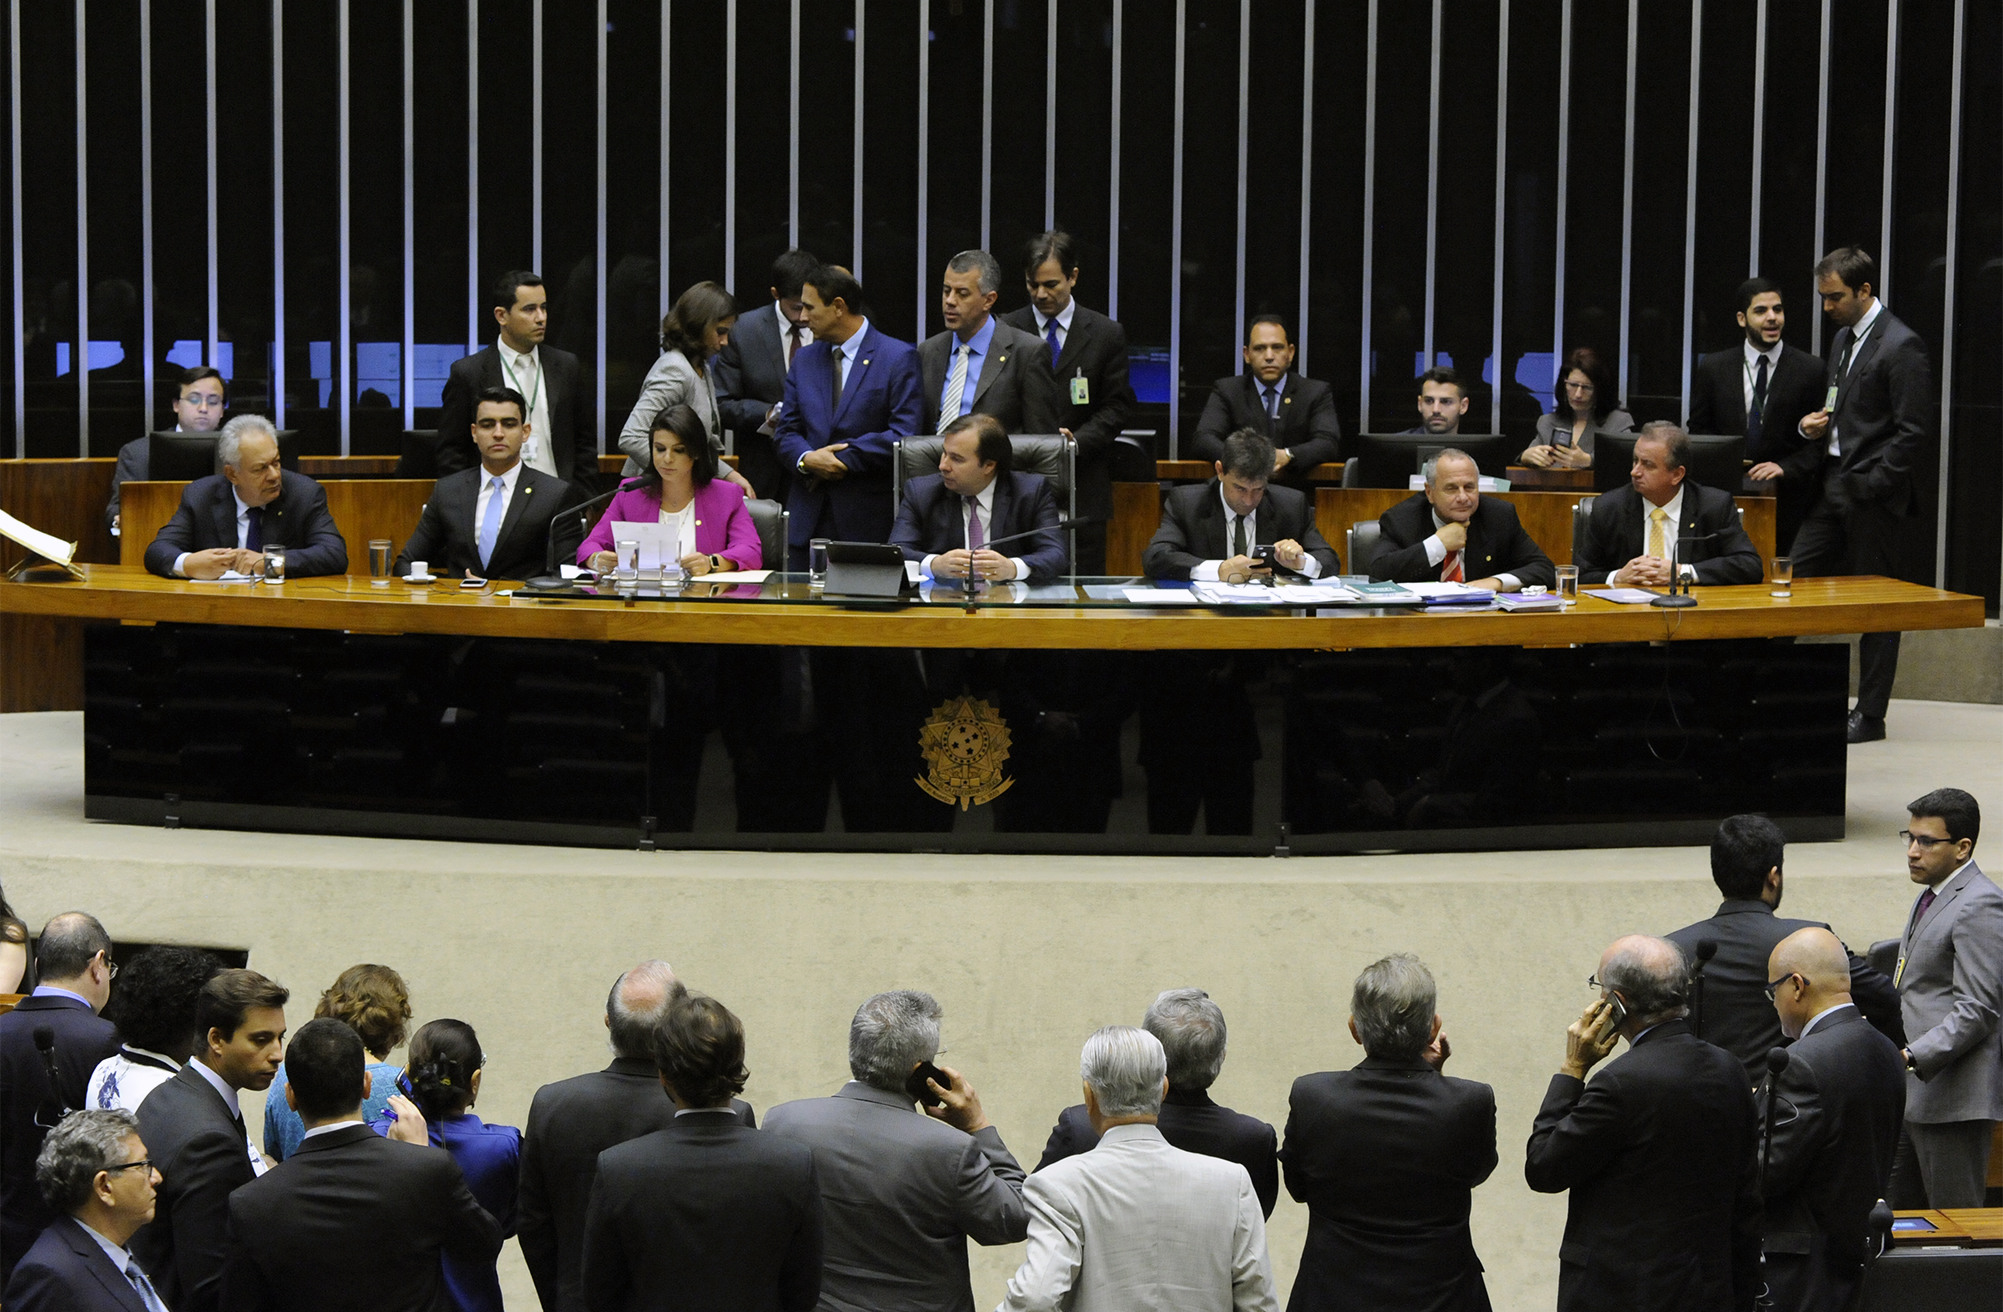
(1983, 1225)
(1946, 1230)
(1849, 605)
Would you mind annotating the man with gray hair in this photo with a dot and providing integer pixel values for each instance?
(1448, 532)
(1660, 1151)
(572, 1121)
(901, 1193)
(981, 365)
(1191, 1029)
(1137, 1222)
(1387, 1156)
(225, 521)
(93, 1173)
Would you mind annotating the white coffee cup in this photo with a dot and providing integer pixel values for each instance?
(420, 569)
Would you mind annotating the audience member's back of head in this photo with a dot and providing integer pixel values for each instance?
(1124, 1067)
(1191, 1030)
(374, 1002)
(154, 1005)
(635, 1006)
(891, 1033)
(326, 1070)
(699, 1048)
(1652, 975)
(1743, 850)
(1393, 1003)
(67, 944)
(445, 1055)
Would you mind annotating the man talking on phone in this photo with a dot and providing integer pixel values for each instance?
(901, 1193)
(1660, 1151)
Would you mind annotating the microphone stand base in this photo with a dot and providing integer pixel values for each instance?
(1675, 600)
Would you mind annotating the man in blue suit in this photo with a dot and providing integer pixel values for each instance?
(947, 518)
(850, 395)
(225, 521)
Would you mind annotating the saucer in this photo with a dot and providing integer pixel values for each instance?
(420, 578)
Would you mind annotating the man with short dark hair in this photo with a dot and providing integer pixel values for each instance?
(572, 1121)
(1297, 414)
(707, 1212)
(351, 1219)
(1387, 1156)
(1663, 511)
(1729, 1004)
(1208, 531)
(902, 1193)
(750, 372)
(563, 437)
(225, 521)
(194, 1129)
(1950, 980)
(979, 364)
(494, 522)
(1660, 1152)
(946, 520)
(1192, 1033)
(198, 408)
(74, 957)
(93, 1174)
(1442, 403)
(1450, 532)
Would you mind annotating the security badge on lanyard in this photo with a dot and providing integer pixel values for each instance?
(1081, 389)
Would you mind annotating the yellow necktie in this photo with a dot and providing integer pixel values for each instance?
(1656, 519)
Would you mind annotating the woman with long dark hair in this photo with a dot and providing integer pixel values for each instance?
(1587, 404)
(446, 1063)
(681, 489)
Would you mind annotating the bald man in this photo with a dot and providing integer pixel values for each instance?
(1658, 1151)
(1838, 1105)
(574, 1120)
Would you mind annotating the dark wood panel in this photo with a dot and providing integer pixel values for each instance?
(1136, 516)
(41, 657)
(362, 509)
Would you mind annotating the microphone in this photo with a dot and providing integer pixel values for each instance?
(1674, 599)
(1777, 1060)
(1707, 948)
(51, 1111)
(1877, 1231)
(552, 579)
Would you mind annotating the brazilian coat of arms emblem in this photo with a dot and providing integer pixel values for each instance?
(965, 742)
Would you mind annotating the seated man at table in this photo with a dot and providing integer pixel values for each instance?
(976, 497)
(1442, 403)
(1449, 533)
(1634, 528)
(1210, 532)
(492, 521)
(198, 408)
(225, 521)
(1269, 398)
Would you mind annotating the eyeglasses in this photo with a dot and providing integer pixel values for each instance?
(1593, 981)
(1773, 986)
(110, 967)
(126, 1166)
(1926, 843)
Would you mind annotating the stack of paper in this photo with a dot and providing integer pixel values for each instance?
(1513, 601)
(1452, 594)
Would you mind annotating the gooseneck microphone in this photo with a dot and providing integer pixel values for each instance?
(1777, 1060)
(552, 579)
(50, 1112)
(1673, 598)
(1707, 948)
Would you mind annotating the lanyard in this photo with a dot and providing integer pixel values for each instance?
(516, 384)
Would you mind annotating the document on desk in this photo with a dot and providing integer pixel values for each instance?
(658, 549)
(1226, 594)
(1623, 596)
(737, 576)
(1451, 594)
(1316, 594)
(228, 576)
(1160, 596)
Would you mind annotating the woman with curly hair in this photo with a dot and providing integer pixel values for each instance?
(154, 1009)
(372, 1001)
(446, 1062)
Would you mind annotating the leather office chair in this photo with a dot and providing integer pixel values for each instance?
(1582, 515)
(1052, 455)
(770, 518)
(419, 458)
(1352, 475)
(1361, 553)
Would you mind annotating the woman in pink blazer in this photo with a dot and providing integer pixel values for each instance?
(680, 489)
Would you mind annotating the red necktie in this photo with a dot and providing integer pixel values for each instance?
(792, 342)
(1450, 568)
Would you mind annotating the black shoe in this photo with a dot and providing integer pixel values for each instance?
(1865, 728)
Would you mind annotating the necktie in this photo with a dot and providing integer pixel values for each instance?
(1919, 909)
(1237, 535)
(1056, 347)
(490, 527)
(792, 342)
(1450, 569)
(1272, 403)
(956, 386)
(253, 536)
(1757, 411)
(147, 1294)
(1657, 518)
(1843, 360)
(835, 358)
(976, 539)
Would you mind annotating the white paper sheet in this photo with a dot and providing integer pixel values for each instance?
(46, 545)
(658, 545)
(736, 576)
(1160, 596)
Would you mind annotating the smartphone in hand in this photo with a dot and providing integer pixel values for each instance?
(920, 1091)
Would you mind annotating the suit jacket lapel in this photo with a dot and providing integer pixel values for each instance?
(996, 361)
(100, 1264)
(518, 507)
(858, 373)
(1948, 893)
(1255, 402)
(224, 513)
(1858, 360)
(1215, 543)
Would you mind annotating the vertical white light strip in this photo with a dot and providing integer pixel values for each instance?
(1891, 148)
(1369, 209)
(1307, 179)
(1433, 180)
(145, 206)
(409, 352)
(1627, 198)
(598, 236)
(1564, 168)
(1821, 171)
(729, 143)
(473, 298)
(535, 135)
(1113, 198)
(987, 117)
(1690, 201)
(278, 213)
(924, 157)
(1244, 159)
(855, 155)
(1050, 118)
(14, 188)
(1946, 459)
(667, 298)
(81, 357)
(793, 132)
(343, 363)
(209, 181)
(1495, 351)
(1175, 241)
(1759, 134)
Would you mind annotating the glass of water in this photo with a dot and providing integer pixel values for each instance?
(817, 563)
(627, 572)
(379, 561)
(1783, 577)
(1568, 585)
(274, 564)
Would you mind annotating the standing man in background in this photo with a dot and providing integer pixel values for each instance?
(750, 373)
(981, 365)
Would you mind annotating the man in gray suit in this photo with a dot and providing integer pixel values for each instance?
(1950, 979)
(901, 1194)
(980, 364)
(1134, 1222)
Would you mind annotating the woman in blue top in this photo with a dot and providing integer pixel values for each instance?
(444, 1075)
(375, 1004)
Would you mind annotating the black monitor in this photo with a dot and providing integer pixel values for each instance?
(1390, 459)
(1716, 460)
(185, 457)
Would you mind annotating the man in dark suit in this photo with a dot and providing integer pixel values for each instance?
(1297, 413)
(707, 1213)
(981, 365)
(1191, 1029)
(225, 521)
(1729, 1005)
(851, 394)
(94, 1175)
(1208, 531)
(1763, 388)
(74, 954)
(1449, 532)
(1387, 1157)
(1634, 529)
(198, 408)
(351, 1219)
(1876, 435)
(946, 519)
(194, 1131)
(1088, 357)
(750, 373)
(563, 431)
(1660, 1152)
(574, 1120)
(493, 522)
(1837, 1106)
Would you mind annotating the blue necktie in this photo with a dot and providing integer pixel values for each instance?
(1056, 347)
(490, 528)
(147, 1294)
(253, 534)
(1273, 403)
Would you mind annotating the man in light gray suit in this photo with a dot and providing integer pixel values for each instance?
(1136, 1223)
(901, 1194)
(981, 364)
(1950, 979)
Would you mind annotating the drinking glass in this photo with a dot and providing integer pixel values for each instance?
(379, 561)
(274, 563)
(1783, 577)
(817, 563)
(1568, 585)
(627, 572)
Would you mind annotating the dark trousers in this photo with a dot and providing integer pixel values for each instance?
(1813, 1281)
(1222, 791)
(1855, 539)
(1944, 1164)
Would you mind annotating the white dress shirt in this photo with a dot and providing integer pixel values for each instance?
(229, 1097)
(1436, 556)
(242, 532)
(329, 1128)
(122, 1258)
(486, 494)
(1819, 1016)
(986, 500)
(524, 373)
(1209, 571)
(1752, 370)
(682, 522)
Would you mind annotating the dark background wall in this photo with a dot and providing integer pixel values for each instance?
(1327, 111)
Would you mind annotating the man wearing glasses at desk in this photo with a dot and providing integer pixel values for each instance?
(93, 1170)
